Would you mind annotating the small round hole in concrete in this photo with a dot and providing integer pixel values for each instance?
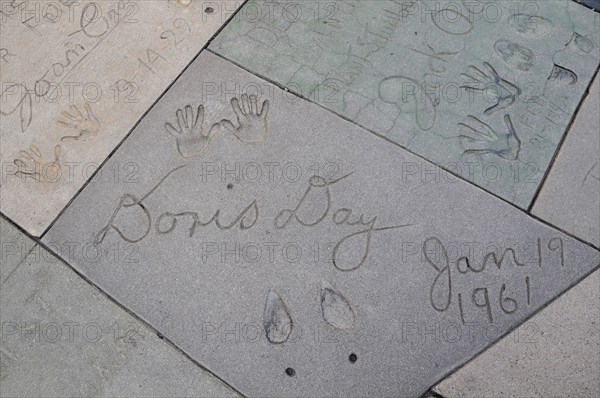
(290, 372)
(353, 358)
(209, 10)
(229, 186)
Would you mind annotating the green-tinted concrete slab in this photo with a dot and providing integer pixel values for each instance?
(61, 337)
(485, 89)
(570, 197)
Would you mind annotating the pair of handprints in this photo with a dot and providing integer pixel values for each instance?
(193, 138)
(34, 164)
(277, 318)
(479, 138)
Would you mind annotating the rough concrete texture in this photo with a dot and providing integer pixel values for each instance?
(62, 337)
(14, 246)
(485, 89)
(76, 77)
(295, 254)
(554, 354)
(570, 197)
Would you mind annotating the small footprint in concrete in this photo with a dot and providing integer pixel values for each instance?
(562, 76)
(515, 55)
(581, 43)
(335, 307)
(531, 25)
(277, 321)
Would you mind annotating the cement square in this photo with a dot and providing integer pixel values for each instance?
(570, 196)
(485, 89)
(556, 353)
(294, 254)
(61, 337)
(76, 77)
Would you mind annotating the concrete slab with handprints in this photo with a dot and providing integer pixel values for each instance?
(268, 243)
(76, 77)
(484, 89)
(62, 337)
(570, 197)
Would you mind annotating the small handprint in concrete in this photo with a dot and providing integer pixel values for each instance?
(86, 126)
(478, 138)
(252, 126)
(190, 134)
(32, 164)
(504, 92)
